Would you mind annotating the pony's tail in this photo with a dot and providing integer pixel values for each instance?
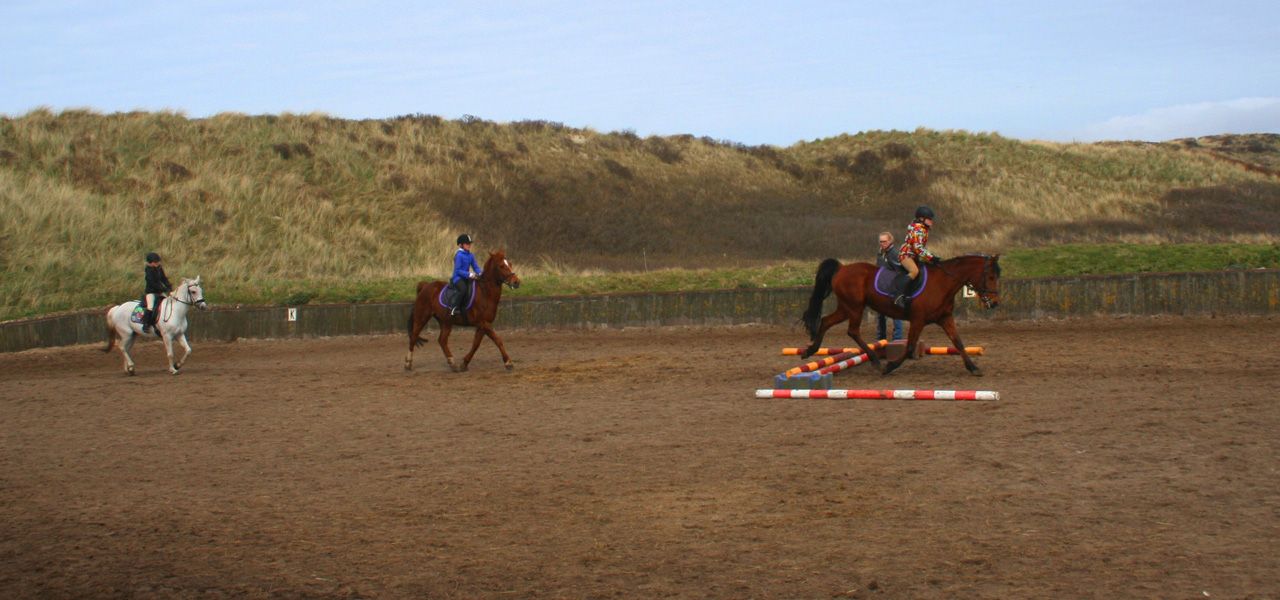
(821, 289)
(111, 332)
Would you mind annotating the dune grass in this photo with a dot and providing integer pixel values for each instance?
(279, 208)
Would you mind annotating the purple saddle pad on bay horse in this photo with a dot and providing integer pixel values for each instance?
(884, 282)
(470, 301)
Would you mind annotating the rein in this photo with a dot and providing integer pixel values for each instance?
(200, 301)
(501, 280)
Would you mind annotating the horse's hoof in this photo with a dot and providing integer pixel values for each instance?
(454, 368)
(509, 365)
(976, 372)
(462, 368)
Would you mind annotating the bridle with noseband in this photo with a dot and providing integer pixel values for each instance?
(980, 287)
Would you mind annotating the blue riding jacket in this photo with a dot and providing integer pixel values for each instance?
(463, 263)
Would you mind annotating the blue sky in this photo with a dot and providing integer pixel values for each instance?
(752, 72)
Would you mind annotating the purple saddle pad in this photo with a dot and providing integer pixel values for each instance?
(470, 301)
(884, 282)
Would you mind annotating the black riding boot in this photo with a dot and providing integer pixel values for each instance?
(148, 319)
(459, 302)
(900, 284)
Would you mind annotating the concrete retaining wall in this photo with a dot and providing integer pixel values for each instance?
(1229, 292)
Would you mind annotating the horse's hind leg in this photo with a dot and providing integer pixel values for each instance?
(913, 336)
(828, 322)
(475, 345)
(948, 324)
(415, 331)
(126, 344)
(445, 328)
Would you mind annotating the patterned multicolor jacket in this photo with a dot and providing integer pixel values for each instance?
(913, 246)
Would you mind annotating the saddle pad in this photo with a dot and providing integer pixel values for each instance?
(884, 282)
(470, 302)
(136, 315)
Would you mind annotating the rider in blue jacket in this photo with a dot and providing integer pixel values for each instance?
(464, 269)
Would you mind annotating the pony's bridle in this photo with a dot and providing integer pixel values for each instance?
(199, 302)
(507, 280)
(981, 289)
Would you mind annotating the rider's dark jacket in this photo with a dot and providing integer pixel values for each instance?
(888, 258)
(157, 283)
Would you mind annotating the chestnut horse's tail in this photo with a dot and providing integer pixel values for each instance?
(821, 289)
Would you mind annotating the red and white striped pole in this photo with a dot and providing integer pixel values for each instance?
(845, 364)
(831, 360)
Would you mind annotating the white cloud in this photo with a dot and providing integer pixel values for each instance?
(1242, 115)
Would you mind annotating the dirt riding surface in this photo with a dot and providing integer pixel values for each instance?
(1125, 458)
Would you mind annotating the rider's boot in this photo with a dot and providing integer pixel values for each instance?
(900, 284)
(148, 319)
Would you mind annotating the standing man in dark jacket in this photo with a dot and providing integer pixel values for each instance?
(157, 286)
(887, 256)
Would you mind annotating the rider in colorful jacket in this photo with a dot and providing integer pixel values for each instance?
(913, 252)
(464, 270)
(157, 286)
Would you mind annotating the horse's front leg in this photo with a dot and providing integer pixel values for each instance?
(913, 336)
(855, 332)
(445, 328)
(493, 335)
(168, 351)
(126, 344)
(828, 322)
(186, 350)
(948, 324)
(475, 345)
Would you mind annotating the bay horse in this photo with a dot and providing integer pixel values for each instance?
(171, 323)
(483, 309)
(854, 286)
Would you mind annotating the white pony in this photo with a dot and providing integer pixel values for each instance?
(171, 323)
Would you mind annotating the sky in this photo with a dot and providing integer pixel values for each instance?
(746, 71)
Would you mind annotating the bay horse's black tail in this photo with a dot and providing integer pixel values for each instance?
(821, 289)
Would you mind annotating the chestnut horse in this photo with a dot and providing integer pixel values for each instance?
(854, 286)
(484, 309)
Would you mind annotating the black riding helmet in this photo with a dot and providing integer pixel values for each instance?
(924, 212)
(464, 239)
(153, 257)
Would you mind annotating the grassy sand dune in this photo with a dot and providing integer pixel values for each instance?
(298, 207)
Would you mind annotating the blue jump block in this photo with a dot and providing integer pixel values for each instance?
(803, 381)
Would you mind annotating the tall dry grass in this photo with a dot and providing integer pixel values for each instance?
(267, 200)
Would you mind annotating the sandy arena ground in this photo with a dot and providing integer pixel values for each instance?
(1126, 458)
